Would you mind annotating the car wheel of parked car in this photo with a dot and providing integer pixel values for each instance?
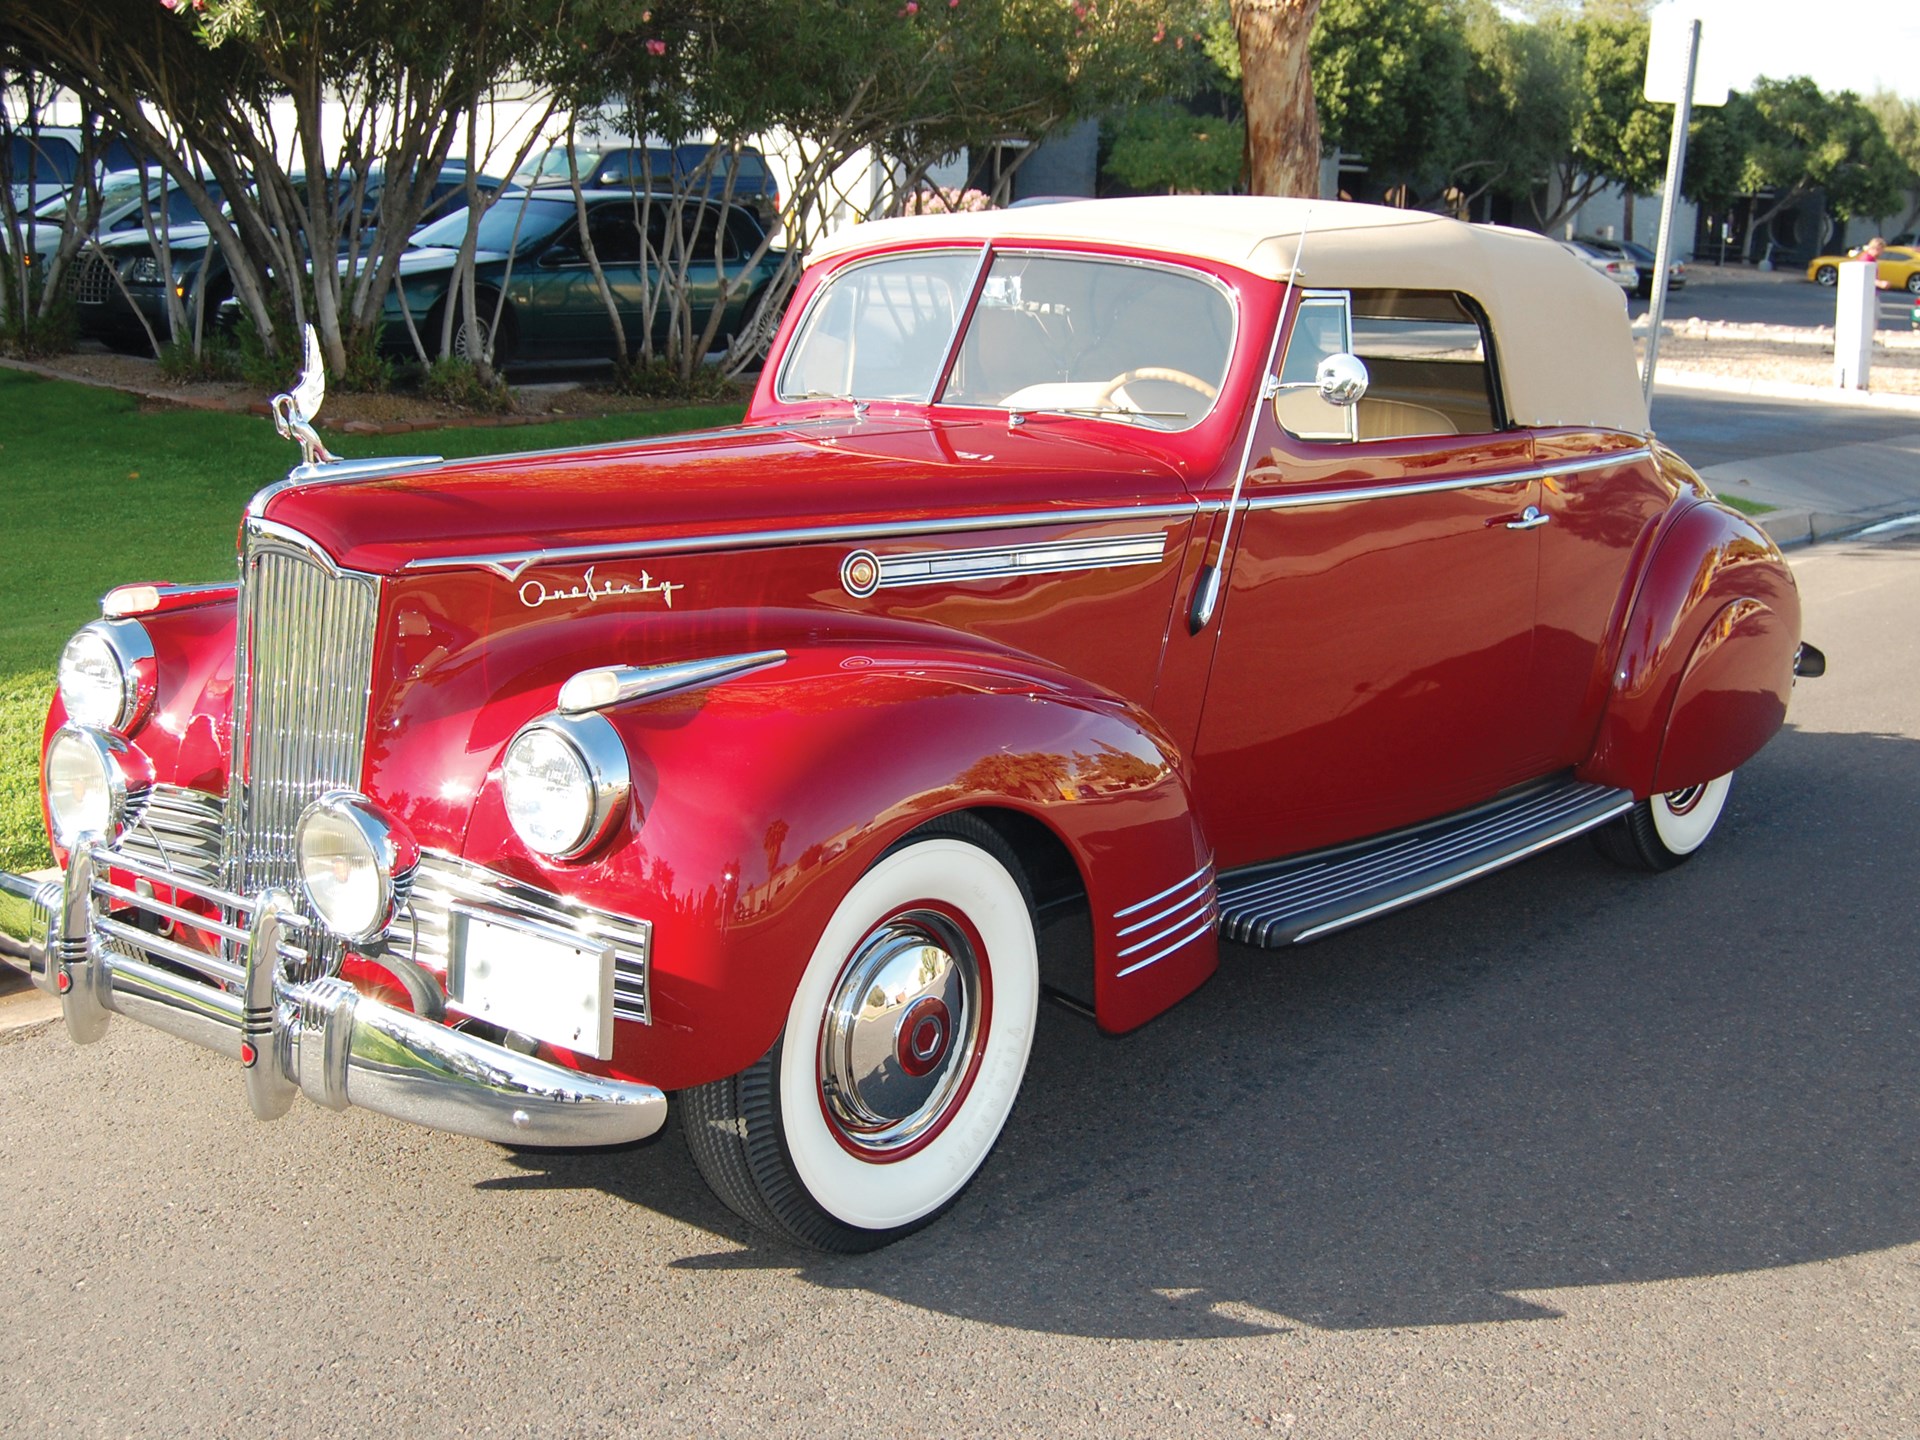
(1827, 275)
(903, 1051)
(471, 343)
(1664, 831)
(1913, 283)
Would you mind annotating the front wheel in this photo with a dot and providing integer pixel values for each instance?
(1826, 275)
(903, 1051)
(1913, 283)
(1665, 830)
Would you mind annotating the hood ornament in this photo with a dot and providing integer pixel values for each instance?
(293, 412)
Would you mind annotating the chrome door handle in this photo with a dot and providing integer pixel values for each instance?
(1530, 519)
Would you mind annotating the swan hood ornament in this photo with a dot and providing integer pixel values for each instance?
(294, 410)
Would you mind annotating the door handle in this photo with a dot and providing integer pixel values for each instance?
(1530, 519)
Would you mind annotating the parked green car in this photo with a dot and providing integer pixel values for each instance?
(529, 249)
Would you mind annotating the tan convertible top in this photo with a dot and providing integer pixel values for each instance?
(1559, 328)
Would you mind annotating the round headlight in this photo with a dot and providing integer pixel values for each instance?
(86, 788)
(107, 675)
(564, 780)
(349, 854)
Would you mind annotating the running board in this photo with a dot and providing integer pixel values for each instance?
(1309, 896)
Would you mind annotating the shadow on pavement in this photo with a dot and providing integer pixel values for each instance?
(1566, 1075)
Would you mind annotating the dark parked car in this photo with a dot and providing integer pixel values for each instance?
(529, 249)
(662, 167)
(111, 313)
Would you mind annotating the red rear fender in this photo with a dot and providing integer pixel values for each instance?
(1706, 664)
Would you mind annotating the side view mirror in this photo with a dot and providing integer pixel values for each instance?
(1342, 380)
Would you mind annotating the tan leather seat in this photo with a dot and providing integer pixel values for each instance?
(1389, 419)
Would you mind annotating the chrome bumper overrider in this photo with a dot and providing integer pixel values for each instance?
(320, 1036)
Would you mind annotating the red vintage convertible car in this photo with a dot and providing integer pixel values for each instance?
(1202, 567)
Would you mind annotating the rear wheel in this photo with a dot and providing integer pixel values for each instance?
(1826, 275)
(1913, 283)
(903, 1052)
(1665, 830)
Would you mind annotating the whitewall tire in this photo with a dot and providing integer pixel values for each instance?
(1663, 831)
(904, 1047)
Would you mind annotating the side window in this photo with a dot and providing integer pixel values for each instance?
(1428, 366)
(1322, 327)
(1427, 360)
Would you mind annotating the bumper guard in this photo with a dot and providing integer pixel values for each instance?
(319, 1036)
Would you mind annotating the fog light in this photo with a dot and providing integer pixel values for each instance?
(350, 856)
(85, 784)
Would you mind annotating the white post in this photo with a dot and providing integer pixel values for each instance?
(1856, 308)
(1669, 203)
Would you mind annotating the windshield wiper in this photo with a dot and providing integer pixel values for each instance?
(1125, 410)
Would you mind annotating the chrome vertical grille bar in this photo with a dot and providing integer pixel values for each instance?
(305, 662)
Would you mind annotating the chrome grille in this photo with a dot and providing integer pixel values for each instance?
(176, 828)
(440, 880)
(305, 664)
(90, 280)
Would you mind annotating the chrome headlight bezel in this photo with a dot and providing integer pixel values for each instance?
(602, 760)
(106, 752)
(122, 702)
(385, 846)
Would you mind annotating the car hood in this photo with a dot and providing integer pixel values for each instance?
(716, 487)
(421, 259)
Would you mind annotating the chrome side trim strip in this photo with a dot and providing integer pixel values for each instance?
(931, 567)
(510, 564)
(1458, 482)
(610, 685)
(1199, 874)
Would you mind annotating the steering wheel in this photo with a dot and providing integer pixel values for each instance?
(1156, 372)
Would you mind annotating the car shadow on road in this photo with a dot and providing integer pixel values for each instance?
(1567, 1075)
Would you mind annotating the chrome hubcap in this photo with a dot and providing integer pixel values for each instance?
(1679, 802)
(901, 1031)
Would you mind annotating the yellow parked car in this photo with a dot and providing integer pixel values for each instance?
(1899, 268)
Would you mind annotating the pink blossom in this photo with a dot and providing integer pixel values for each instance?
(656, 47)
(911, 8)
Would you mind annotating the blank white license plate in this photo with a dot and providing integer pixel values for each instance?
(539, 981)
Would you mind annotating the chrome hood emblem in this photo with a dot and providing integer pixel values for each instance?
(293, 411)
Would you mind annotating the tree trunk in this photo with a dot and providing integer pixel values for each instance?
(1276, 81)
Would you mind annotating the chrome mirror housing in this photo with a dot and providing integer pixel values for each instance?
(1342, 380)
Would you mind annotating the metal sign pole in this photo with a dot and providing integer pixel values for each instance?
(1669, 201)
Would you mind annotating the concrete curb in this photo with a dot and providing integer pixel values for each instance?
(1682, 379)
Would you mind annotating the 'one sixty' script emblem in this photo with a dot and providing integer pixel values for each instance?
(535, 593)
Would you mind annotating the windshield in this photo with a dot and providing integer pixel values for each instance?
(114, 194)
(531, 220)
(880, 331)
(1136, 343)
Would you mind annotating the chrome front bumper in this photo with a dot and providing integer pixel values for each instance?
(320, 1036)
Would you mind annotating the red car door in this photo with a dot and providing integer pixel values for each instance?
(1376, 628)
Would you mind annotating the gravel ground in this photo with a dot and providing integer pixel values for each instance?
(1782, 353)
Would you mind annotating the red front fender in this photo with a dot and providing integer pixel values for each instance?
(760, 801)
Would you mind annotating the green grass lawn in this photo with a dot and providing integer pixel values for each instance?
(1745, 507)
(95, 493)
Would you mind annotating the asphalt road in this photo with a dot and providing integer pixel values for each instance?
(1570, 1151)
(1799, 303)
(1711, 427)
